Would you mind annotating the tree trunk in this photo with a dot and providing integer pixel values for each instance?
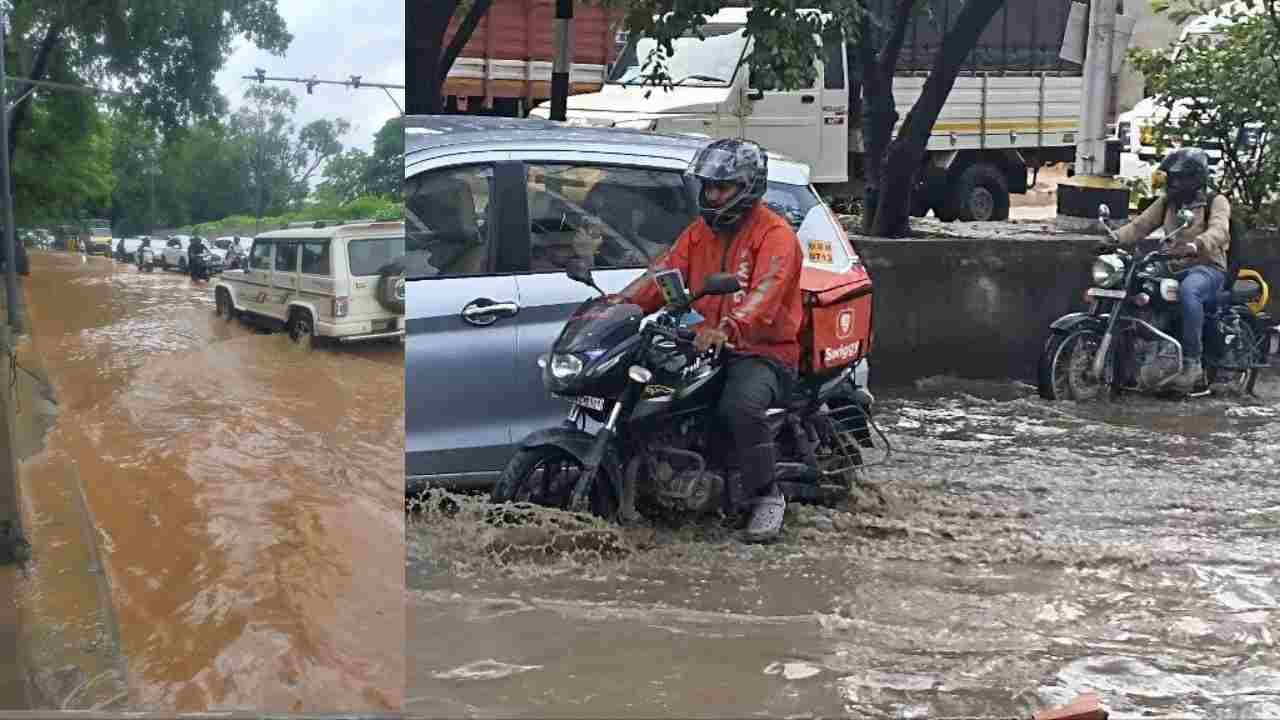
(39, 68)
(430, 21)
(879, 113)
(906, 153)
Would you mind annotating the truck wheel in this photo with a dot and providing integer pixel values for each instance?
(981, 194)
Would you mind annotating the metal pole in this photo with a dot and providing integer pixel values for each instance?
(1091, 150)
(563, 29)
(10, 246)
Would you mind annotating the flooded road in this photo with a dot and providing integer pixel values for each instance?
(245, 493)
(1010, 554)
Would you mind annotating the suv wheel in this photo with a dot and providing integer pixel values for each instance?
(301, 327)
(391, 286)
(225, 307)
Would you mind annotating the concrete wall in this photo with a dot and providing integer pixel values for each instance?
(981, 308)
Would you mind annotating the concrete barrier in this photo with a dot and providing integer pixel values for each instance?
(981, 307)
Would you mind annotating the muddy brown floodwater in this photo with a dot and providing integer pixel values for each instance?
(1010, 554)
(246, 493)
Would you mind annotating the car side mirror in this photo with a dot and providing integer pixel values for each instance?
(721, 284)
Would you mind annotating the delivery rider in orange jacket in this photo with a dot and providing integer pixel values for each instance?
(736, 233)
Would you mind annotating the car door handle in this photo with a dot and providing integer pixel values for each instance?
(484, 311)
(806, 99)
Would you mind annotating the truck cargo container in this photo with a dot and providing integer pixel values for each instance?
(505, 67)
(1016, 104)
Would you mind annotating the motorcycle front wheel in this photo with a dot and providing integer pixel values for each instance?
(546, 476)
(1064, 367)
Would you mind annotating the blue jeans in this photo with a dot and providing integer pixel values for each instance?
(1197, 286)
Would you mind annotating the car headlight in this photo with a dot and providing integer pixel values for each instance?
(1108, 271)
(565, 367)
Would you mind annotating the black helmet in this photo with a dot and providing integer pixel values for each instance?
(1187, 170)
(730, 160)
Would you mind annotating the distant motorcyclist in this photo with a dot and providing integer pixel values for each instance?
(120, 251)
(1200, 252)
(737, 232)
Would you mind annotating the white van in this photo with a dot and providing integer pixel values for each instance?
(344, 282)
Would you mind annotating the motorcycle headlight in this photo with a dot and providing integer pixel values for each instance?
(1108, 271)
(565, 367)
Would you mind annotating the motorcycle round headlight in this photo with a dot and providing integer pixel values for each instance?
(565, 367)
(1107, 271)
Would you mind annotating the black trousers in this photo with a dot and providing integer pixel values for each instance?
(754, 384)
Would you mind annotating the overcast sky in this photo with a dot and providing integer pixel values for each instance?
(332, 40)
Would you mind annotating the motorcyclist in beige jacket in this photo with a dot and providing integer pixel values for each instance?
(1200, 251)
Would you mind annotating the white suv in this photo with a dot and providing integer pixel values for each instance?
(344, 282)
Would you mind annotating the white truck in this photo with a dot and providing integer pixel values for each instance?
(1015, 106)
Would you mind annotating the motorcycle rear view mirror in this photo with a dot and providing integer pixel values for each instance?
(720, 284)
(577, 269)
(1104, 212)
(1185, 216)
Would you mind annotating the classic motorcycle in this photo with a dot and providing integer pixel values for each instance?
(652, 397)
(1128, 339)
(146, 259)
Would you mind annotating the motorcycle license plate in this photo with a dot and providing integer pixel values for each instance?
(1099, 292)
(591, 403)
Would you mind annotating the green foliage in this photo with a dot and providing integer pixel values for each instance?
(783, 46)
(166, 53)
(367, 207)
(1210, 91)
(67, 172)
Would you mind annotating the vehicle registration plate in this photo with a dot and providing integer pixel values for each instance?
(1099, 292)
(591, 403)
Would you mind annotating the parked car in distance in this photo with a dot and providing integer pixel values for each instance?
(344, 282)
(173, 255)
(496, 208)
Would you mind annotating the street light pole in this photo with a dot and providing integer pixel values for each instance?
(10, 246)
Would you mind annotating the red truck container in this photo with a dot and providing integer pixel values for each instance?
(506, 65)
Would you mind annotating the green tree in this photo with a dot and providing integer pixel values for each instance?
(385, 172)
(165, 52)
(264, 122)
(67, 172)
(1225, 94)
(345, 177)
(317, 142)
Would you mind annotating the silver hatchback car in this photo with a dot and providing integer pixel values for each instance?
(494, 208)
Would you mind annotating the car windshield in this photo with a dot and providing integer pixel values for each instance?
(824, 241)
(367, 257)
(694, 61)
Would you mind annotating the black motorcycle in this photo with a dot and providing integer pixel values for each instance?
(652, 399)
(1128, 340)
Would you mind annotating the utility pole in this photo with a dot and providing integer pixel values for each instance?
(1094, 184)
(1091, 150)
(10, 246)
(563, 60)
